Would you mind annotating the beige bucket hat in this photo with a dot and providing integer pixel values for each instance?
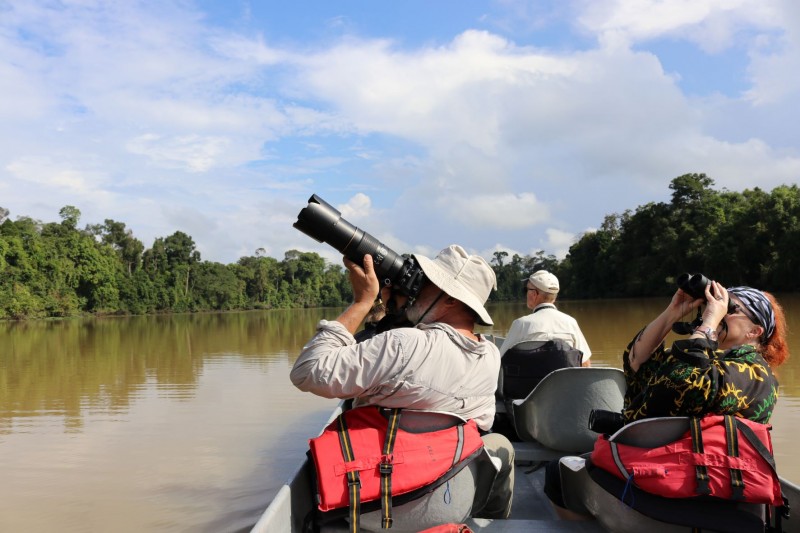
(467, 278)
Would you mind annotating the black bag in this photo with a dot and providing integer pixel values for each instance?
(526, 364)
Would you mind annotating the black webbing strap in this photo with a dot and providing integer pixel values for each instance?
(732, 438)
(756, 443)
(353, 480)
(701, 472)
(386, 469)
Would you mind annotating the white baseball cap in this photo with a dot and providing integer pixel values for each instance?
(544, 281)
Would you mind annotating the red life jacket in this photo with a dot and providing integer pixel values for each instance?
(363, 456)
(709, 460)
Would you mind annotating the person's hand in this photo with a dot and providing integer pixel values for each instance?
(716, 304)
(682, 303)
(363, 280)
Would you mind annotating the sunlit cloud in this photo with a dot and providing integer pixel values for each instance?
(168, 118)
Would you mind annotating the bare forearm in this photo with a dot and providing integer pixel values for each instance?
(652, 336)
(352, 317)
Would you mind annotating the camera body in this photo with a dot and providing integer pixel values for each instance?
(323, 223)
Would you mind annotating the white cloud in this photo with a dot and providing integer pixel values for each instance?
(516, 119)
(499, 211)
(193, 153)
(776, 59)
(359, 206)
(48, 173)
(149, 115)
(712, 24)
(432, 95)
(769, 32)
(558, 242)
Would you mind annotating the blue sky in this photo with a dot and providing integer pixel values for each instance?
(498, 125)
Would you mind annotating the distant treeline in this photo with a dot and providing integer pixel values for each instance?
(56, 269)
(738, 238)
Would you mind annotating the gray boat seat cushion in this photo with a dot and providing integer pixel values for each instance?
(556, 413)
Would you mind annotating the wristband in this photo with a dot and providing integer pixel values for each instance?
(707, 332)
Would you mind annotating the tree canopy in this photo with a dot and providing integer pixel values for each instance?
(748, 238)
(56, 269)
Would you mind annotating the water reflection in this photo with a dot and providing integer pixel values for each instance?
(64, 367)
(173, 423)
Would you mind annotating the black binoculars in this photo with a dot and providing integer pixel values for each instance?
(693, 284)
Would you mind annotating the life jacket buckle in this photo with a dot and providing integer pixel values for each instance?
(386, 465)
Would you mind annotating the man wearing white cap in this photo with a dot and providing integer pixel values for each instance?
(546, 322)
(441, 364)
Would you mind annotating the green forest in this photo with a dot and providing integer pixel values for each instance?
(57, 269)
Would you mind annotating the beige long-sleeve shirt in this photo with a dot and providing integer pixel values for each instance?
(431, 367)
(547, 323)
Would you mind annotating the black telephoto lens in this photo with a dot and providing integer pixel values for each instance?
(320, 221)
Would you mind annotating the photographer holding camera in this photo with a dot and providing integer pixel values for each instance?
(724, 367)
(438, 365)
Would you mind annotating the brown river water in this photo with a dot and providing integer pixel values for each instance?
(189, 422)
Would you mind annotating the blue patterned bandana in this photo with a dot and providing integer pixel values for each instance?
(759, 306)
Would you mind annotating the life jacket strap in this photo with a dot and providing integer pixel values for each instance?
(732, 439)
(386, 468)
(701, 472)
(353, 480)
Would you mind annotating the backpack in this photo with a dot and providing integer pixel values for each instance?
(524, 365)
(364, 460)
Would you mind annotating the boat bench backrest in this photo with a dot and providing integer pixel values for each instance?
(652, 432)
(556, 413)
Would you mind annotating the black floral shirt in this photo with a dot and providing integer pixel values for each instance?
(695, 378)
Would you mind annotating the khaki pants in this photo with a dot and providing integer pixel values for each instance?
(502, 492)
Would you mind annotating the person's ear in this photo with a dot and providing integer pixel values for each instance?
(755, 332)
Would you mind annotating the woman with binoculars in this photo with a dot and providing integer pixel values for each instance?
(724, 367)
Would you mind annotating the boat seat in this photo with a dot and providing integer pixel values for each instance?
(553, 420)
(525, 364)
(595, 493)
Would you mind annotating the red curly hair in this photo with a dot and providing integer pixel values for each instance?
(775, 350)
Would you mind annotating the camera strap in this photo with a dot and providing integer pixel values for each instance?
(441, 293)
